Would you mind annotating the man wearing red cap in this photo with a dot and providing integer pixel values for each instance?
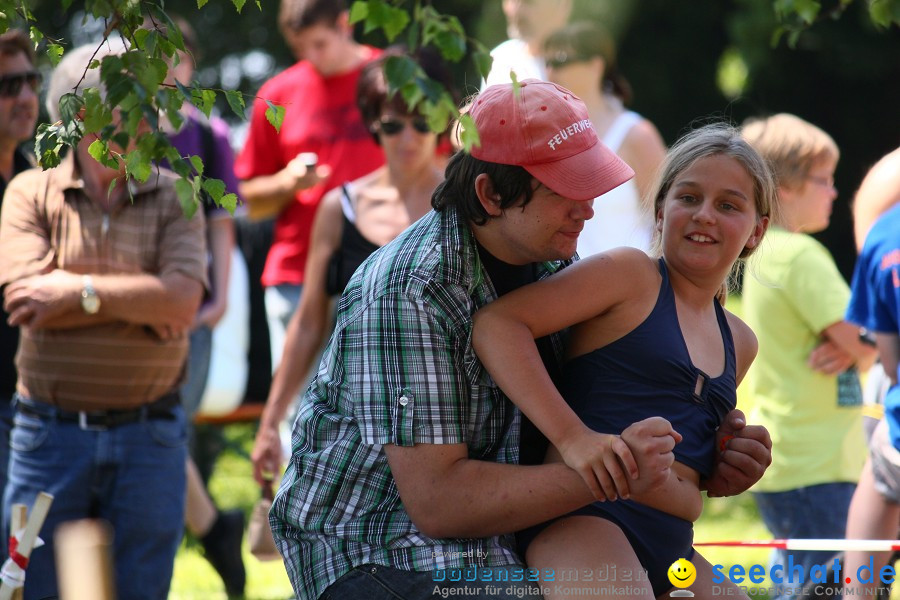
(405, 474)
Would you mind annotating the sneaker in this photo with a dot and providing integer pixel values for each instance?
(222, 548)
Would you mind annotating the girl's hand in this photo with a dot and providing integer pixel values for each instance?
(651, 442)
(602, 460)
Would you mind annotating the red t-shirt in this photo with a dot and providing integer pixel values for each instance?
(321, 117)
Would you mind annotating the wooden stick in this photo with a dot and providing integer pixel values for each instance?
(32, 528)
(83, 560)
(18, 518)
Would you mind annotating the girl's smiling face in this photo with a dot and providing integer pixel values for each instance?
(710, 216)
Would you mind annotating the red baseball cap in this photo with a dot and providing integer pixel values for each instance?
(545, 129)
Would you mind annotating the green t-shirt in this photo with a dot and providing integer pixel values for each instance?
(792, 293)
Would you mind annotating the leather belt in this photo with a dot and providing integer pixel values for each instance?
(101, 420)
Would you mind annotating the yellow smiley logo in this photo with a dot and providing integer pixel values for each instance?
(682, 573)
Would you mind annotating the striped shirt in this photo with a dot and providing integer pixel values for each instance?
(48, 222)
(399, 369)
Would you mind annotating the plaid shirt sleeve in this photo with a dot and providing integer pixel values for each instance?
(409, 385)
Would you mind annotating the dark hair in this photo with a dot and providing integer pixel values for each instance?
(296, 15)
(588, 40)
(371, 88)
(513, 184)
(13, 41)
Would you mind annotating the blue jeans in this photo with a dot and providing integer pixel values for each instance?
(281, 304)
(376, 582)
(199, 358)
(131, 475)
(6, 418)
(816, 511)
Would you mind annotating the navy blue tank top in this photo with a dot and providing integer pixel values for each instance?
(648, 372)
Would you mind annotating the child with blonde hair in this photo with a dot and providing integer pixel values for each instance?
(804, 385)
(650, 350)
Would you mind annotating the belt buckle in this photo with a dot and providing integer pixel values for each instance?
(85, 426)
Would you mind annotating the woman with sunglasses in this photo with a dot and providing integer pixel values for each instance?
(581, 57)
(354, 220)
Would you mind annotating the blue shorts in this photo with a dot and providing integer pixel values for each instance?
(657, 538)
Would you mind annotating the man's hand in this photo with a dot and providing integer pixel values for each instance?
(266, 455)
(830, 359)
(651, 442)
(33, 301)
(745, 452)
(304, 176)
(599, 458)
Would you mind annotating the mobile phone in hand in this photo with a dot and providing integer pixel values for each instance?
(308, 159)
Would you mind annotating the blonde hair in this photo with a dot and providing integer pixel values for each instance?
(791, 146)
(717, 139)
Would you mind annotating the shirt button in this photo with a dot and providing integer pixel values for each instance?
(404, 400)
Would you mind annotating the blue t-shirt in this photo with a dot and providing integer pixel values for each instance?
(875, 295)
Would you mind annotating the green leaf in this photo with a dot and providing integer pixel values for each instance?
(204, 99)
(468, 133)
(229, 202)
(54, 53)
(99, 149)
(412, 95)
(201, 3)
(186, 92)
(807, 10)
(239, 4)
(197, 163)
(185, 192)
(398, 71)
(483, 62)
(884, 12)
(215, 188)
(47, 145)
(396, 22)
(180, 165)
(236, 101)
(96, 113)
(173, 32)
(36, 36)
(275, 115)
(451, 45)
(138, 165)
(70, 105)
(359, 11)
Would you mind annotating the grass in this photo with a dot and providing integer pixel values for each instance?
(232, 486)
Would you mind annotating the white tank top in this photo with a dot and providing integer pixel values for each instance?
(618, 218)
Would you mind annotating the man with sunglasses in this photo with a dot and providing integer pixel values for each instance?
(19, 87)
(405, 474)
(278, 180)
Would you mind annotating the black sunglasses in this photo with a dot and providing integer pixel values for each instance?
(395, 126)
(561, 59)
(11, 85)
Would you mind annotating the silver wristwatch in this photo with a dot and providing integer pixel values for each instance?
(90, 302)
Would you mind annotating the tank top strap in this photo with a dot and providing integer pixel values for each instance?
(347, 203)
(616, 133)
(727, 338)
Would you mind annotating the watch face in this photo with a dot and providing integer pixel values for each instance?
(90, 303)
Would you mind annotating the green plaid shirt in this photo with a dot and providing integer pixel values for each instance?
(399, 369)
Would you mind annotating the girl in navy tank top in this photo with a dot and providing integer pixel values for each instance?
(654, 363)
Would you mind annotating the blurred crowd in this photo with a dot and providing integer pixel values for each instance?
(126, 325)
